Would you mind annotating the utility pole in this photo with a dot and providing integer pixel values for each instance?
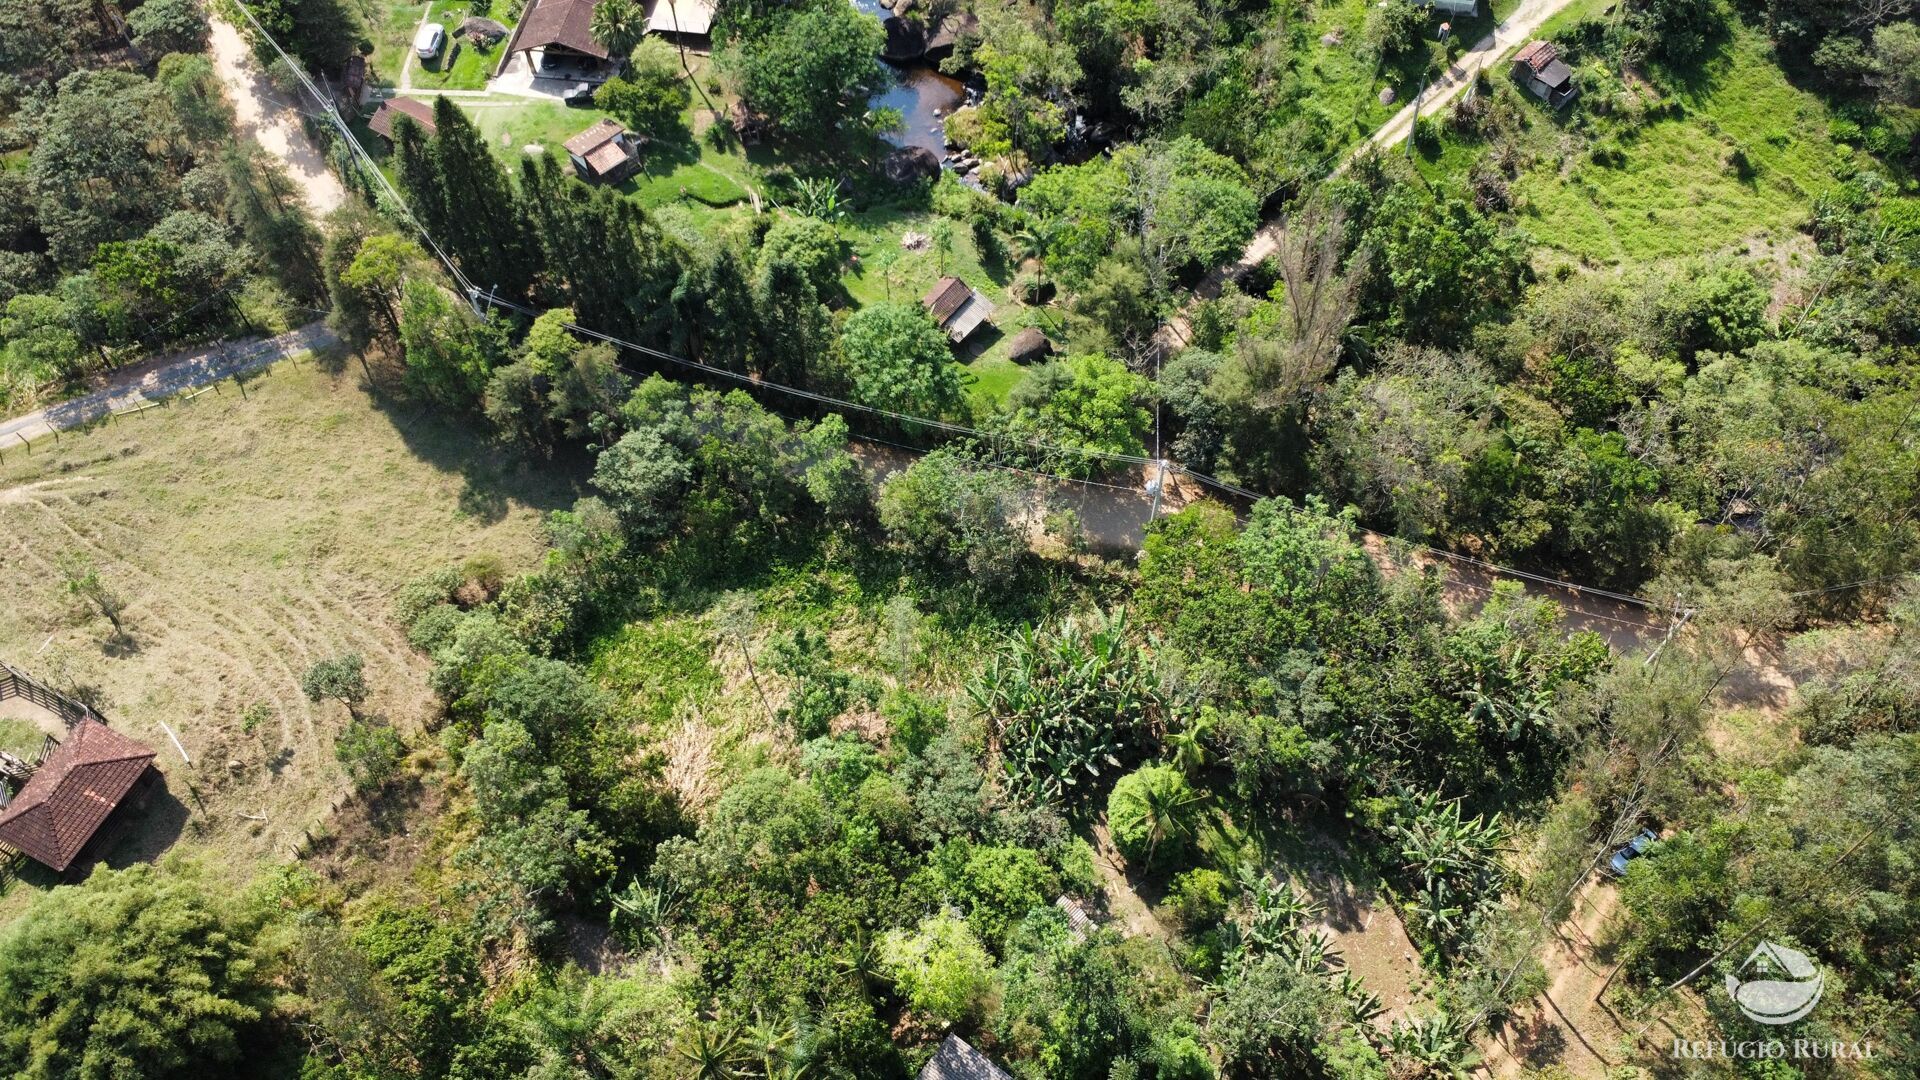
(1415, 125)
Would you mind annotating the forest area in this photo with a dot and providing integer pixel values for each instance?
(818, 736)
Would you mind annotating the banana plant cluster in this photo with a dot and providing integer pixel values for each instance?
(1453, 860)
(1275, 923)
(1511, 701)
(1438, 1045)
(1069, 704)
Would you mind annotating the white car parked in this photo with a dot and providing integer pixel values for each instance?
(426, 43)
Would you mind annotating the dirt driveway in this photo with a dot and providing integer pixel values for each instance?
(1174, 334)
(265, 116)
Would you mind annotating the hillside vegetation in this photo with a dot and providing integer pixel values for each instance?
(655, 649)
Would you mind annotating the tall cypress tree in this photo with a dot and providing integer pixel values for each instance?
(483, 226)
(605, 257)
(420, 176)
(717, 312)
(794, 330)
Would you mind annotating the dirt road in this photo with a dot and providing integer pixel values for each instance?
(161, 378)
(1567, 1025)
(262, 114)
(1511, 32)
(1515, 29)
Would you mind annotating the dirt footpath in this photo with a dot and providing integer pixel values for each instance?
(1567, 1026)
(1177, 332)
(263, 115)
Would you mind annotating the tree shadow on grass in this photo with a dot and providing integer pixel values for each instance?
(494, 478)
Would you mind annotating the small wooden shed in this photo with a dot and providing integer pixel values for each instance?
(1538, 67)
(957, 307)
(606, 151)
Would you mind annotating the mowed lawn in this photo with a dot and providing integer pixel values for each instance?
(676, 168)
(460, 65)
(1679, 187)
(249, 538)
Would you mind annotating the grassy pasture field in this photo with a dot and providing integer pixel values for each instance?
(1680, 186)
(249, 538)
(1735, 154)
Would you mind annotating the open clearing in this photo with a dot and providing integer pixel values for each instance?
(249, 538)
(1747, 155)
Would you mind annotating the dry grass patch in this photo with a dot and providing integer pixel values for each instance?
(249, 538)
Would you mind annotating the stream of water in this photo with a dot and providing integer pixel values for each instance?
(923, 95)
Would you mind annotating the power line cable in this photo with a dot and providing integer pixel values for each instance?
(476, 295)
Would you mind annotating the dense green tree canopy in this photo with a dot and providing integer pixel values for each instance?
(898, 359)
(812, 70)
(142, 972)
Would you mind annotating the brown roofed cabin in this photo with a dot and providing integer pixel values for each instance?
(956, 1060)
(558, 37)
(419, 112)
(71, 794)
(605, 151)
(1538, 67)
(957, 307)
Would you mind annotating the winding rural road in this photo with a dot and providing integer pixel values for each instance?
(162, 378)
(1515, 29)
(261, 114)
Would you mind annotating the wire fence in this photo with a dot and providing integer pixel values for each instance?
(216, 371)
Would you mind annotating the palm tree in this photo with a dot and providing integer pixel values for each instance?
(714, 1050)
(1189, 744)
(1170, 810)
(644, 910)
(862, 962)
(619, 25)
(770, 1047)
(1033, 238)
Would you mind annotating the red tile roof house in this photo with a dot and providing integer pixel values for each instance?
(72, 793)
(419, 112)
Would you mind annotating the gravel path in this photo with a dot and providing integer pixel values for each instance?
(135, 386)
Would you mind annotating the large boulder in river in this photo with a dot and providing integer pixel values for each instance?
(910, 164)
(940, 43)
(906, 41)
